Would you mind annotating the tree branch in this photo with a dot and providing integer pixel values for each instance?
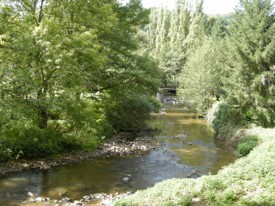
(40, 16)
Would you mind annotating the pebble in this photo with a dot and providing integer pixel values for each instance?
(126, 179)
(77, 203)
(40, 199)
(87, 198)
(107, 202)
(66, 199)
(30, 194)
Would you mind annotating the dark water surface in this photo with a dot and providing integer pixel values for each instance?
(178, 155)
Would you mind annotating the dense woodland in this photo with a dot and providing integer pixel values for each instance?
(75, 72)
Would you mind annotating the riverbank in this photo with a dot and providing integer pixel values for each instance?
(120, 145)
(248, 181)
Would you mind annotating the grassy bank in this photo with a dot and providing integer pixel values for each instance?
(248, 181)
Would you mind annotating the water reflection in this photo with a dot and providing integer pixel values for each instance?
(178, 155)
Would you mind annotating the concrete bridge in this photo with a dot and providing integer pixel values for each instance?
(167, 95)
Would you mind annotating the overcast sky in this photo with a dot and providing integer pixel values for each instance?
(210, 6)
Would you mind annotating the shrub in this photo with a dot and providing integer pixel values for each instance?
(5, 153)
(224, 119)
(83, 125)
(184, 201)
(24, 139)
(246, 145)
(225, 115)
(130, 113)
(89, 123)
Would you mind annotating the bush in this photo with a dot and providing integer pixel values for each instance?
(82, 125)
(89, 123)
(246, 145)
(224, 119)
(24, 139)
(5, 153)
(130, 113)
(225, 115)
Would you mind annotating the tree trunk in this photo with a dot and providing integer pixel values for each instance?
(42, 117)
(42, 109)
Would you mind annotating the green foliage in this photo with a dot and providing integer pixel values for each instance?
(131, 113)
(246, 145)
(185, 201)
(224, 114)
(169, 36)
(82, 126)
(24, 139)
(218, 57)
(200, 81)
(5, 153)
(58, 59)
(250, 48)
(224, 119)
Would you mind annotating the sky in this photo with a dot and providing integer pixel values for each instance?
(210, 6)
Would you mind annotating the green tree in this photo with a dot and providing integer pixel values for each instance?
(49, 50)
(174, 59)
(154, 36)
(60, 59)
(201, 78)
(251, 54)
(200, 81)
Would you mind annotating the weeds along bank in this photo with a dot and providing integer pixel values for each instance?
(250, 180)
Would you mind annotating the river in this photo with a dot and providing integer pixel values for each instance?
(187, 144)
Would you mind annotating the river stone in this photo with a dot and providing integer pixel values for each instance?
(126, 179)
(30, 194)
(107, 202)
(66, 199)
(40, 199)
(98, 196)
(77, 203)
(87, 198)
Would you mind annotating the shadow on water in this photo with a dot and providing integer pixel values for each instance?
(187, 144)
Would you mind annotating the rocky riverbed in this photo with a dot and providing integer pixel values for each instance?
(119, 145)
(87, 200)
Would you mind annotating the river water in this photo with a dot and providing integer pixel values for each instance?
(187, 144)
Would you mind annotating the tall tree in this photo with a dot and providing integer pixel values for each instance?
(251, 56)
(175, 57)
(201, 80)
(49, 49)
(58, 57)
